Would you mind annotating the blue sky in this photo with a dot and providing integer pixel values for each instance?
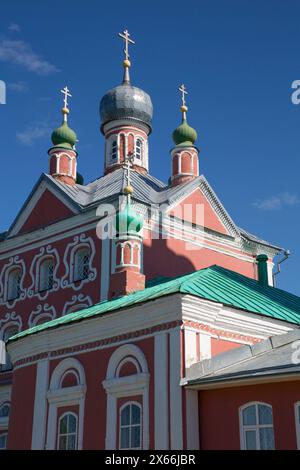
(237, 58)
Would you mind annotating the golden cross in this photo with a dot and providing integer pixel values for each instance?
(126, 36)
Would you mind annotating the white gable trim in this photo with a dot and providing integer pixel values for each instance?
(33, 200)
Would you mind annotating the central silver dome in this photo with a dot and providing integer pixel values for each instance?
(126, 102)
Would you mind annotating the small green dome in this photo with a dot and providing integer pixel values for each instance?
(128, 221)
(184, 134)
(64, 137)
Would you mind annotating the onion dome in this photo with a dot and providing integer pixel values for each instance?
(128, 221)
(64, 137)
(126, 102)
(184, 135)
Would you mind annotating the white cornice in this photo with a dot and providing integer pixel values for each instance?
(160, 311)
(235, 321)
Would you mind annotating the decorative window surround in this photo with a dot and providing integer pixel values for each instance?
(41, 311)
(44, 253)
(79, 241)
(132, 385)
(10, 319)
(68, 396)
(84, 301)
(14, 263)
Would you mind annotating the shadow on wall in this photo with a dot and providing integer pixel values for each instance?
(162, 260)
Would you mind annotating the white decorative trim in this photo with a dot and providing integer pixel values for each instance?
(127, 386)
(5, 397)
(83, 300)
(44, 253)
(105, 268)
(41, 311)
(78, 242)
(161, 401)
(10, 319)
(68, 396)
(13, 262)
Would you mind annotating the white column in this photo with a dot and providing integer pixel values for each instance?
(192, 419)
(205, 346)
(105, 271)
(161, 405)
(111, 422)
(175, 391)
(40, 406)
(190, 339)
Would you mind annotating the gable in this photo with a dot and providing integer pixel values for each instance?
(44, 206)
(197, 209)
(47, 210)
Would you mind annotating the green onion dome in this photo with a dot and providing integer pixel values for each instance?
(64, 137)
(184, 135)
(128, 221)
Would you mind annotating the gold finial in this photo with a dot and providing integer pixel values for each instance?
(126, 62)
(184, 107)
(65, 110)
(128, 190)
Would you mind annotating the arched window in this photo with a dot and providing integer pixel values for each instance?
(82, 264)
(3, 441)
(67, 432)
(130, 426)
(256, 427)
(4, 410)
(138, 148)
(114, 150)
(46, 274)
(13, 284)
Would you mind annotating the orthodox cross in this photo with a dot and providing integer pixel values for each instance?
(126, 36)
(128, 165)
(183, 91)
(65, 92)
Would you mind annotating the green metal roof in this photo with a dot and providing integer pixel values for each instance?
(213, 283)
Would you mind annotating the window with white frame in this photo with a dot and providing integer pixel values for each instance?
(3, 441)
(256, 427)
(114, 150)
(130, 426)
(67, 432)
(82, 264)
(138, 148)
(14, 284)
(297, 423)
(8, 333)
(4, 410)
(46, 274)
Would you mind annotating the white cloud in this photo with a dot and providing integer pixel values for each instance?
(34, 132)
(21, 53)
(14, 27)
(277, 202)
(19, 87)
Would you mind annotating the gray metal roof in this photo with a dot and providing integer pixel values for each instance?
(126, 102)
(271, 357)
(148, 190)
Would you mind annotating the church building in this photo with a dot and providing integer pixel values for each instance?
(136, 314)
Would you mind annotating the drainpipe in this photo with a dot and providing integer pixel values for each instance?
(262, 269)
(286, 254)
